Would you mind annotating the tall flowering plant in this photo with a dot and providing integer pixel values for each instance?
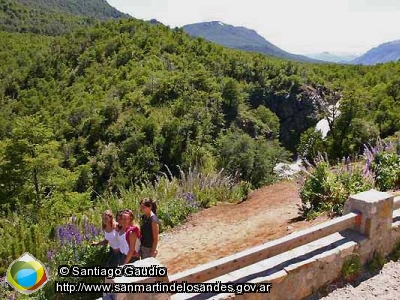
(382, 162)
(73, 247)
(73, 242)
(325, 188)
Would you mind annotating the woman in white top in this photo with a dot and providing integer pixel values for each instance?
(129, 239)
(110, 228)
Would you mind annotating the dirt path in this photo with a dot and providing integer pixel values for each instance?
(229, 228)
(384, 286)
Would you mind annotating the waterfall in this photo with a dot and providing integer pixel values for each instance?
(288, 170)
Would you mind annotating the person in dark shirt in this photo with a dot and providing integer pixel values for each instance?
(149, 228)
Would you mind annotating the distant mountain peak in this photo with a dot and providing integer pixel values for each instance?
(241, 38)
(333, 57)
(214, 23)
(386, 52)
(396, 42)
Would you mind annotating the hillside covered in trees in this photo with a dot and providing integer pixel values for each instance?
(53, 17)
(91, 116)
(98, 9)
(242, 38)
(112, 105)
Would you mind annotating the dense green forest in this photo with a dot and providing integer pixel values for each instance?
(98, 9)
(51, 17)
(113, 105)
(92, 118)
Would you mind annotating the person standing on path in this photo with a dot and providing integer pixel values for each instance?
(110, 228)
(129, 239)
(149, 228)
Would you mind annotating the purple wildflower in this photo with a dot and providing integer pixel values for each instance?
(76, 254)
(86, 231)
(93, 231)
(69, 234)
(61, 234)
(99, 231)
(90, 231)
(78, 238)
(73, 219)
(347, 161)
(190, 199)
(367, 166)
(3, 281)
(50, 255)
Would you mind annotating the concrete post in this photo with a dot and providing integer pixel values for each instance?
(377, 217)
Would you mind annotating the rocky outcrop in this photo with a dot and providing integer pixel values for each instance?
(297, 111)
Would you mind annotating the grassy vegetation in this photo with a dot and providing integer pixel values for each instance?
(352, 268)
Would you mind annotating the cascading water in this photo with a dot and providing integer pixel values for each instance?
(288, 170)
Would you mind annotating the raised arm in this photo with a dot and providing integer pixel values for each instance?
(101, 243)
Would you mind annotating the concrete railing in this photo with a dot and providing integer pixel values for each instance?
(368, 216)
(250, 256)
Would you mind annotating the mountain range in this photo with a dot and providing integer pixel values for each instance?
(246, 39)
(55, 17)
(333, 57)
(382, 54)
(240, 38)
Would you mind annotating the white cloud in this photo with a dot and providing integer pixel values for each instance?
(293, 25)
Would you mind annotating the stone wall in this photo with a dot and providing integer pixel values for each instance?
(380, 236)
(299, 272)
(377, 233)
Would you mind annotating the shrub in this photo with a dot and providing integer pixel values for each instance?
(68, 243)
(377, 262)
(177, 198)
(253, 160)
(73, 248)
(383, 162)
(326, 189)
(395, 254)
(5, 290)
(351, 268)
(314, 191)
(386, 167)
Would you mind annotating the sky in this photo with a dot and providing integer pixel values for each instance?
(296, 26)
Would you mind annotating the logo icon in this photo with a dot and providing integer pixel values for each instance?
(26, 274)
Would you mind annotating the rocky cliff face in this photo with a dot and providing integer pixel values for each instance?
(297, 112)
